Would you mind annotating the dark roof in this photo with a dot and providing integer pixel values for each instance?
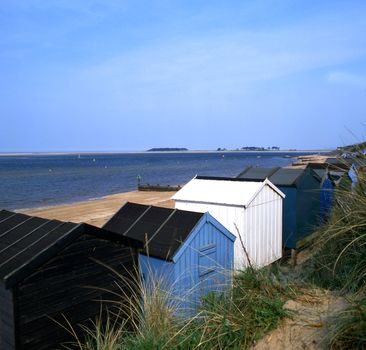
(337, 176)
(219, 178)
(322, 173)
(314, 165)
(26, 242)
(257, 173)
(161, 229)
(278, 176)
(287, 176)
(243, 178)
(339, 163)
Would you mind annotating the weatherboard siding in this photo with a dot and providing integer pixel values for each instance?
(205, 266)
(201, 265)
(155, 271)
(7, 320)
(232, 217)
(289, 217)
(326, 199)
(68, 285)
(262, 233)
(258, 227)
(308, 206)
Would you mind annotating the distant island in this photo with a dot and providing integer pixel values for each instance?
(253, 148)
(167, 149)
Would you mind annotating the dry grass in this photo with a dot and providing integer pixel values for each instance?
(232, 320)
(339, 263)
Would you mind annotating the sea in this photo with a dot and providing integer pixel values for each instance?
(29, 181)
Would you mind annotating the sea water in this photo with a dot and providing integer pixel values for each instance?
(28, 181)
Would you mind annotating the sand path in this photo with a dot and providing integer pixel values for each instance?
(313, 312)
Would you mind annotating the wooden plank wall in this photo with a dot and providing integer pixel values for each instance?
(7, 336)
(68, 287)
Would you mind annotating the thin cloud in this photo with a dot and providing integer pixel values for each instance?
(346, 78)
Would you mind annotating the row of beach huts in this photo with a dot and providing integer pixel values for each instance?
(53, 271)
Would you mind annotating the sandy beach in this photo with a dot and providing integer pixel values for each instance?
(98, 211)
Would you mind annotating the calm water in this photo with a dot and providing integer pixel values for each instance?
(43, 180)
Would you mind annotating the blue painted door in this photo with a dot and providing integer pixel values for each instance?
(207, 269)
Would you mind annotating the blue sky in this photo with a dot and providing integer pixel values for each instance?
(110, 75)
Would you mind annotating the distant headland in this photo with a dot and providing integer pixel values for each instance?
(167, 149)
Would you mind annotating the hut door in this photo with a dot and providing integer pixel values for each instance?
(207, 269)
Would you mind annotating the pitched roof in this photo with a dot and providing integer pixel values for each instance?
(278, 176)
(161, 229)
(257, 173)
(339, 164)
(234, 191)
(322, 173)
(287, 176)
(26, 242)
(315, 165)
(337, 176)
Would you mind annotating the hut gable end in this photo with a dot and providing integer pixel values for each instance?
(203, 263)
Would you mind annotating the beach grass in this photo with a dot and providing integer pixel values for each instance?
(339, 263)
(235, 319)
(348, 329)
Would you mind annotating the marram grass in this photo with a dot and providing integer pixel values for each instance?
(348, 329)
(232, 320)
(339, 262)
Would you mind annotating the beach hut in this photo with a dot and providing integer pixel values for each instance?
(301, 206)
(53, 272)
(326, 193)
(189, 254)
(343, 172)
(353, 175)
(252, 211)
(349, 165)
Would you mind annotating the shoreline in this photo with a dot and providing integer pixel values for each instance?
(98, 211)
(20, 154)
(67, 204)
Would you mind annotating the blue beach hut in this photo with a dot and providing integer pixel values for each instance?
(189, 253)
(343, 172)
(326, 189)
(301, 206)
(349, 166)
(353, 175)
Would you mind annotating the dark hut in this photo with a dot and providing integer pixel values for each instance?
(53, 271)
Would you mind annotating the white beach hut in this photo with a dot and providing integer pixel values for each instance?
(252, 211)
